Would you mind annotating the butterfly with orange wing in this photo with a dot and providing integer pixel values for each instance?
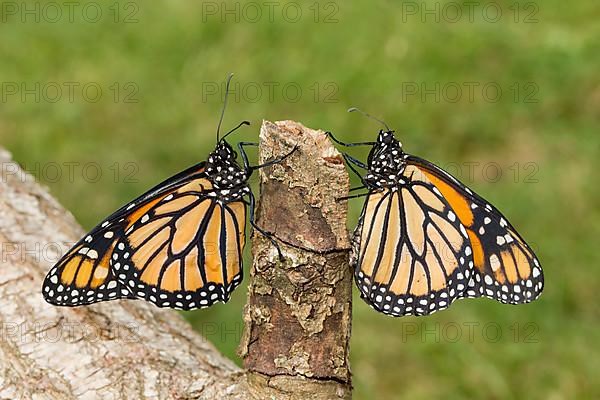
(424, 239)
(179, 245)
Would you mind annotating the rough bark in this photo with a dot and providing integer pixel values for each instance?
(297, 318)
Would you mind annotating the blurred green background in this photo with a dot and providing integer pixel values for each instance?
(101, 100)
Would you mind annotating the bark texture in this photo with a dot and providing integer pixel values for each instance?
(297, 318)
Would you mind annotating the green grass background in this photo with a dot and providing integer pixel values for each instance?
(366, 54)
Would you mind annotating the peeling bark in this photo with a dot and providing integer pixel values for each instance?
(298, 315)
(297, 318)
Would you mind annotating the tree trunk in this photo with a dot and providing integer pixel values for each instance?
(298, 315)
(297, 318)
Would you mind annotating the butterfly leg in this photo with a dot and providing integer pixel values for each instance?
(244, 155)
(259, 229)
(350, 161)
(352, 197)
(354, 161)
(349, 144)
(250, 168)
(275, 161)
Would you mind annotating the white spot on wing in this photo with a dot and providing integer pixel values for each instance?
(494, 263)
(93, 254)
(451, 216)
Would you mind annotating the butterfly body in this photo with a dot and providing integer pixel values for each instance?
(228, 179)
(386, 163)
(424, 239)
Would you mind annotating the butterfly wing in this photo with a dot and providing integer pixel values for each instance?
(108, 263)
(185, 252)
(84, 275)
(410, 256)
(422, 245)
(504, 266)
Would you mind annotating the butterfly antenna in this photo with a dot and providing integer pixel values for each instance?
(235, 129)
(224, 106)
(352, 109)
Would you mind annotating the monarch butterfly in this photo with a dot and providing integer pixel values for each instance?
(424, 239)
(179, 245)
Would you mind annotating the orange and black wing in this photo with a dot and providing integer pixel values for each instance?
(410, 255)
(422, 245)
(124, 257)
(184, 252)
(84, 275)
(505, 267)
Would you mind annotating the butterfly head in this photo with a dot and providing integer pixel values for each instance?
(386, 161)
(223, 169)
(387, 138)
